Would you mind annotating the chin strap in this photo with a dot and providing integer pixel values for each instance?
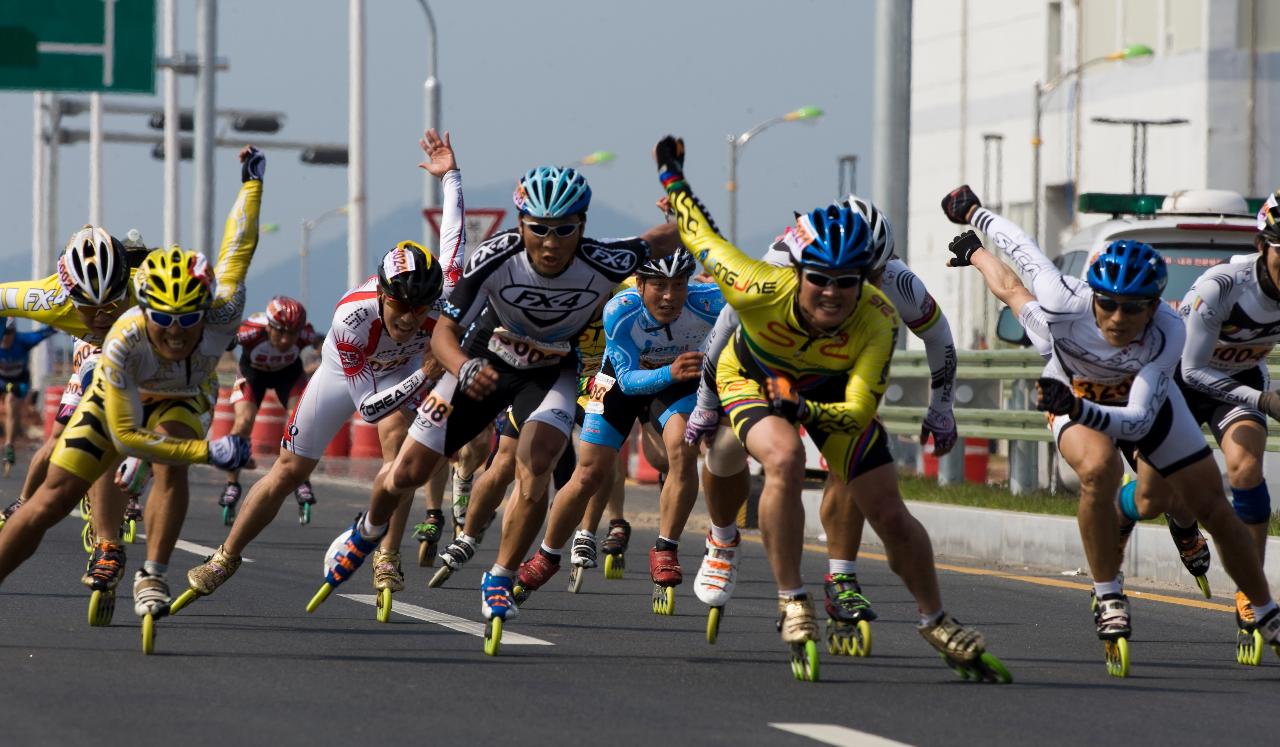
(1264, 278)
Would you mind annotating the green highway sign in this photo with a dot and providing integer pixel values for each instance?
(78, 45)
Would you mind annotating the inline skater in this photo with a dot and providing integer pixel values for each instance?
(652, 359)
(270, 358)
(814, 348)
(147, 398)
(15, 380)
(373, 363)
(523, 298)
(1115, 348)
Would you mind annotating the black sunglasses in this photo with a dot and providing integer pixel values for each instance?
(563, 231)
(1127, 307)
(822, 280)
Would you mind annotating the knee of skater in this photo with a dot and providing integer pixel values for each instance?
(1245, 471)
(784, 463)
(1099, 472)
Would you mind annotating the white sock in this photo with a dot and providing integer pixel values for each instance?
(552, 550)
(791, 593)
(155, 568)
(464, 537)
(498, 570)
(368, 530)
(724, 535)
(928, 619)
(841, 566)
(1261, 612)
(1102, 588)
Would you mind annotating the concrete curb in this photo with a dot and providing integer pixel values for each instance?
(1048, 542)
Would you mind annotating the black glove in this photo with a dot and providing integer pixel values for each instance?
(253, 165)
(963, 246)
(785, 400)
(1056, 398)
(958, 203)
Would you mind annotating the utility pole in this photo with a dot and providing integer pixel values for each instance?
(356, 220)
(890, 137)
(206, 49)
(170, 236)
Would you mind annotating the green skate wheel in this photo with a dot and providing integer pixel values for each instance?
(493, 636)
(102, 605)
(1203, 583)
(1117, 657)
(228, 515)
(664, 600)
(304, 513)
(860, 644)
(185, 598)
(85, 509)
(575, 579)
(86, 537)
(804, 661)
(319, 598)
(384, 605)
(131, 533)
(1249, 648)
(992, 669)
(148, 633)
(614, 566)
(713, 624)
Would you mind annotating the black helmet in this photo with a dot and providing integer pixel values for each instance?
(409, 274)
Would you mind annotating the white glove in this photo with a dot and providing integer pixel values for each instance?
(941, 424)
(230, 453)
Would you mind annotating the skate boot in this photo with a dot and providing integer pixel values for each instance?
(387, 579)
(1111, 616)
(497, 606)
(1248, 638)
(614, 547)
(1194, 551)
(964, 650)
(306, 499)
(849, 616)
(799, 630)
(205, 578)
(1269, 627)
(428, 534)
(664, 569)
(454, 557)
(132, 515)
(583, 557)
(716, 578)
(534, 572)
(102, 575)
(150, 602)
(229, 500)
(9, 459)
(343, 558)
(9, 511)
(461, 499)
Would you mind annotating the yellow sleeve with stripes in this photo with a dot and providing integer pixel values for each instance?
(744, 281)
(43, 301)
(239, 240)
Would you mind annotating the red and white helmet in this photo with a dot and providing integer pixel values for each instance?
(285, 313)
(93, 268)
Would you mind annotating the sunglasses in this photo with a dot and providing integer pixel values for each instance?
(541, 230)
(403, 308)
(822, 280)
(105, 310)
(186, 321)
(1126, 307)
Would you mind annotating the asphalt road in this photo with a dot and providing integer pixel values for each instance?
(248, 665)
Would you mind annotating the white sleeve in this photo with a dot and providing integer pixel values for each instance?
(1036, 326)
(1150, 388)
(922, 315)
(1056, 292)
(453, 236)
(1205, 307)
(721, 333)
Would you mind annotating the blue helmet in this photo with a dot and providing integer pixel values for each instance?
(833, 238)
(552, 192)
(1129, 268)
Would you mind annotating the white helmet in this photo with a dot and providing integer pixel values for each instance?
(881, 234)
(93, 268)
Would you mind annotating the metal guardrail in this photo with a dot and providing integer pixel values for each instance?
(1013, 425)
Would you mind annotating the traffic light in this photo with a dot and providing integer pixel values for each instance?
(186, 121)
(256, 123)
(186, 150)
(326, 155)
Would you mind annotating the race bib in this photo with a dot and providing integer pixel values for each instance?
(1241, 356)
(521, 352)
(434, 411)
(600, 386)
(1102, 394)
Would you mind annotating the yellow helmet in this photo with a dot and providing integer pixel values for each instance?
(174, 280)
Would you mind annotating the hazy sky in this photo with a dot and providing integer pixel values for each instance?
(523, 84)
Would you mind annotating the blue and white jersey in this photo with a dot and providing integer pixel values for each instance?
(640, 348)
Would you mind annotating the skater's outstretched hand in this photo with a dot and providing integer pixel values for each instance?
(439, 153)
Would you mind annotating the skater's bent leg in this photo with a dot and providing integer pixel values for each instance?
(1243, 444)
(680, 491)
(537, 451)
(1095, 460)
(413, 466)
(601, 498)
(39, 466)
(1198, 485)
(435, 490)
(166, 509)
(842, 520)
(51, 503)
(905, 540)
(263, 502)
(472, 456)
(391, 435)
(725, 478)
(654, 451)
(776, 445)
(12, 405)
(487, 493)
(106, 505)
(594, 473)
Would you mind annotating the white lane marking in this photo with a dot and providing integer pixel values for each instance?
(842, 736)
(449, 621)
(195, 549)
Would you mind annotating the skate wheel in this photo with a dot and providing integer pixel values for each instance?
(1203, 583)
(319, 598)
(228, 515)
(575, 579)
(7, 466)
(493, 636)
(185, 598)
(804, 661)
(860, 643)
(426, 554)
(131, 533)
(994, 670)
(148, 633)
(102, 605)
(304, 513)
(713, 624)
(384, 605)
(1117, 657)
(86, 536)
(614, 566)
(1249, 648)
(664, 600)
(440, 577)
(519, 594)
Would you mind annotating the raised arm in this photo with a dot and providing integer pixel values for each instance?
(441, 163)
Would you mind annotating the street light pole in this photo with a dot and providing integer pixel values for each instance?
(356, 221)
(206, 51)
(431, 92)
(737, 142)
(170, 234)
